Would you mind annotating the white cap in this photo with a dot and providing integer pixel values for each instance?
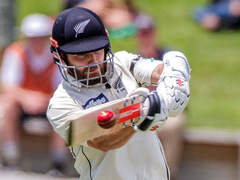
(36, 25)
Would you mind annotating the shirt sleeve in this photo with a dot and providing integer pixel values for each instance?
(61, 110)
(12, 69)
(141, 68)
(59, 116)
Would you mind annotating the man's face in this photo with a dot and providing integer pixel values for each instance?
(38, 44)
(146, 37)
(85, 60)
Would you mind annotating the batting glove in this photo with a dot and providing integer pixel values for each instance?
(172, 94)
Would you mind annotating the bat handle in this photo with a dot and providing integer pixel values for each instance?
(146, 123)
(155, 106)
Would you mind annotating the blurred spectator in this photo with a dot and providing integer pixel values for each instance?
(146, 38)
(28, 79)
(171, 133)
(118, 16)
(219, 14)
(71, 3)
(214, 1)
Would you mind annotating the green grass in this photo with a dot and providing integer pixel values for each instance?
(214, 58)
(25, 7)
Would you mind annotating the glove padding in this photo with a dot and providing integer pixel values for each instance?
(173, 85)
(172, 94)
(156, 114)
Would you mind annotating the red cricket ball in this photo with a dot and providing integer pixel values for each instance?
(106, 119)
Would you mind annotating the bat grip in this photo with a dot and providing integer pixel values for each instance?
(155, 106)
(146, 123)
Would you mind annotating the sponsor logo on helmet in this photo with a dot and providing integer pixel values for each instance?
(107, 33)
(53, 42)
(80, 27)
(100, 99)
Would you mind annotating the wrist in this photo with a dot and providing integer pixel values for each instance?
(176, 65)
(156, 114)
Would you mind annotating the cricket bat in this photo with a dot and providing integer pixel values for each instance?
(126, 110)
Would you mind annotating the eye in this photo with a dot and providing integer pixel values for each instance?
(99, 52)
(80, 56)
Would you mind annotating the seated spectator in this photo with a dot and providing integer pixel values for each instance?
(221, 14)
(214, 1)
(117, 16)
(146, 38)
(28, 79)
(71, 3)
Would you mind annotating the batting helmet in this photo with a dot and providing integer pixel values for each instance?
(77, 31)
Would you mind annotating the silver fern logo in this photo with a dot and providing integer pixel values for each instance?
(79, 28)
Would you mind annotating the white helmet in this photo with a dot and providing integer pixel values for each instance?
(36, 25)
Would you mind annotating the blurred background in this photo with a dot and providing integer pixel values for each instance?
(212, 119)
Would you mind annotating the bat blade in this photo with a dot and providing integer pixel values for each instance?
(85, 127)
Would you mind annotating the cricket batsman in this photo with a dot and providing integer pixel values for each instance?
(94, 75)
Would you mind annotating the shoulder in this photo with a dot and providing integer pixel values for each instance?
(13, 57)
(64, 99)
(58, 112)
(124, 58)
(125, 54)
(60, 97)
(60, 104)
(15, 51)
(17, 46)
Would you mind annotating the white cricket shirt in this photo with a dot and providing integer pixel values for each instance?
(142, 157)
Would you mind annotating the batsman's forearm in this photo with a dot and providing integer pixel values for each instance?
(157, 73)
(112, 140)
